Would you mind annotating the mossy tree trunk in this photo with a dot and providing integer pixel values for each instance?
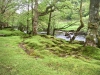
(35, 18)
(93, 23)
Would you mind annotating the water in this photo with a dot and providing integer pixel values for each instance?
(78, 38)
(67, 38)
(61, 34)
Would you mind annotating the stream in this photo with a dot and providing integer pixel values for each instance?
(61, 34)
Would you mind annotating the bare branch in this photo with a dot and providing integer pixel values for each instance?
(66, 26)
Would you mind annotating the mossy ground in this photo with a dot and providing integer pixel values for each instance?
(58, 47)
(49, 56)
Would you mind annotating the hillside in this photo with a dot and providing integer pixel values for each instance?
(47, 56)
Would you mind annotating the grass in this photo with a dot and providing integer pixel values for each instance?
(8, 32)
(75, 24)
(14, 60)
(91, 52)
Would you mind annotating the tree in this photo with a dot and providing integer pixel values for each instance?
(4, 6)
(27, 16)
(93, 23)
(7, 9)
(81, 26)
(37, 14)
(49, 23)
(35, 18)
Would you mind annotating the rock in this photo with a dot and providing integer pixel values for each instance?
(67, 34)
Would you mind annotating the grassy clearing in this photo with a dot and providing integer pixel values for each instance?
(14, 60)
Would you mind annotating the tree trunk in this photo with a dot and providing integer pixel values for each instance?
(54, 31)
(32, 16)
(27, 17)
(93, 23)
(12, 23)
(35, 18)
(49, 23)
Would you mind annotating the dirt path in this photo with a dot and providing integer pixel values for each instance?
(23, 46)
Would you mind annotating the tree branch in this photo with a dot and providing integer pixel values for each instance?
(66, 26)
(81, 26)
(48, 10)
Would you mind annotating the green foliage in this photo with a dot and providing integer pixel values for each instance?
(75, 16)
(7, 9)
(23, 18)
(43, 22)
